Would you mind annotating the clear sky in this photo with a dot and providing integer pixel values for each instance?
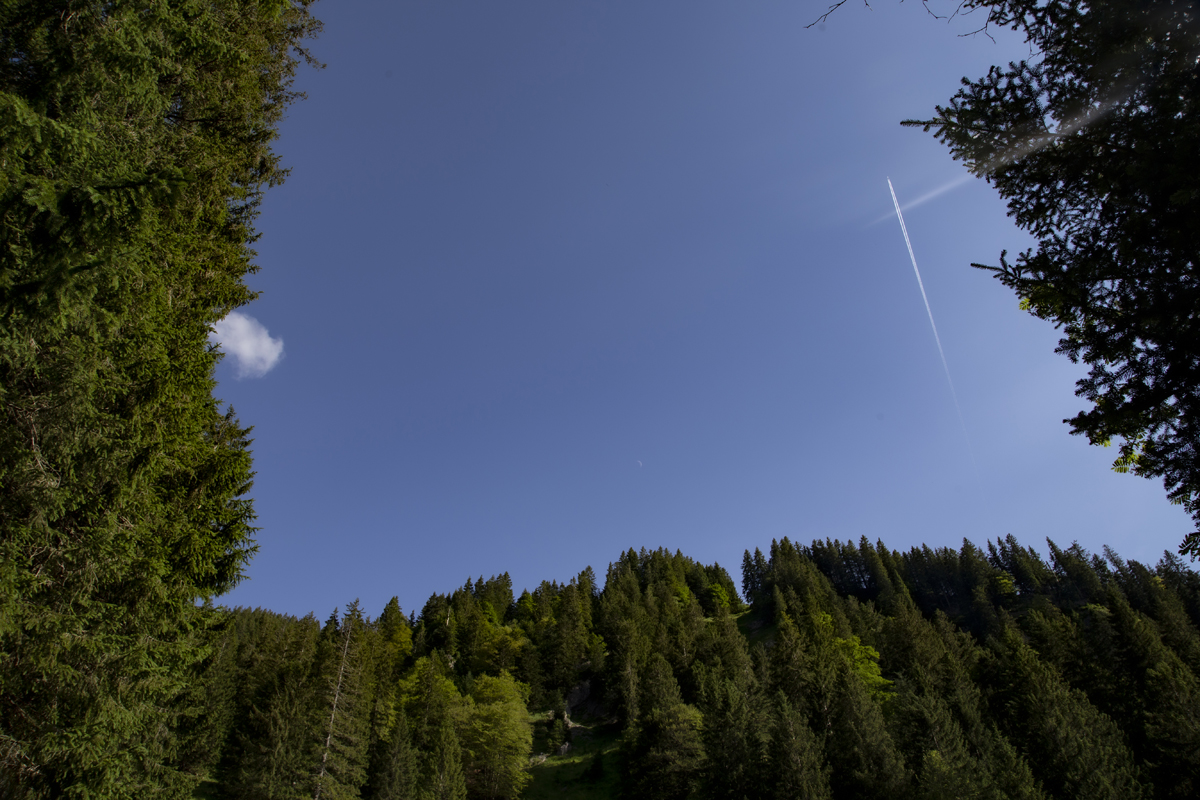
(556, 279)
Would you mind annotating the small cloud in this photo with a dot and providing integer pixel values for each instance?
(254, 351)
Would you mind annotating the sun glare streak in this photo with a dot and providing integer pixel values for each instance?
(949, 186)
(1023, 148)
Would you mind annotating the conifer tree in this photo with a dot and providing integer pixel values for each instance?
(733, 732)
(566, 640)
(134, 147)
(393, 647)
(396, 773)
(272, 749)
(496, 738)
(938, 708)
(795, 768)
(1075, 750)
(443, 773)
(623, 623)
(431, 702)
(753, 569)
(347, 672)
(211, 703)
(1091, 140)
(667, 755)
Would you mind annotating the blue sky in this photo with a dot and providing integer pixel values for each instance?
(553, 280)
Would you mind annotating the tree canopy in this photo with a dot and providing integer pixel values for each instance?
(1094, 141)
(858, 672)
(135, 143)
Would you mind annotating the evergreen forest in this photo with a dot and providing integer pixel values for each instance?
(839, 671)
(135, 149)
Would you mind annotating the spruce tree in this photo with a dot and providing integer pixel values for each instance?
(272, 748)
(134, 147)
(1092, 142)
(796, 767)
(396, 773)
(346, 668)
(733, 732)
(1075, 750)
(442, 777)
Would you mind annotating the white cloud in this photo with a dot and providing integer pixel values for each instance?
(254, 351)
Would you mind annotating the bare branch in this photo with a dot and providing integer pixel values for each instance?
(829, 11)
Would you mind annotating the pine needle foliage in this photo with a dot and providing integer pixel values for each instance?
(1093, 140)
(985, 673)
(135, 143)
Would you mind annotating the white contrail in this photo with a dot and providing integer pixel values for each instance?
(928, 310)
(930, 195)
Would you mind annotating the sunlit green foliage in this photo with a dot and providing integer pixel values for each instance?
(135, 141)
(978, 673)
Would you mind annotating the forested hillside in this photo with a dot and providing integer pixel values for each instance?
(855, 672)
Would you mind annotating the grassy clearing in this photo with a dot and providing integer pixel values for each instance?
(567, 777)
(756, 628)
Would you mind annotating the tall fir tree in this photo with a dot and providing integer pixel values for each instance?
(1075, 750)
(396, 772)
(346, 668)
(443, 772)
(795, 768)
(272, 749)
(135, 143)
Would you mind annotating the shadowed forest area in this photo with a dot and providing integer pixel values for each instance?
(855, 671)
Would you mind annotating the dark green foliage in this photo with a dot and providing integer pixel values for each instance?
(134, 146)
(1075, 749)
(272, 748)
(988, 673)
(1092, 140)
(663, 750)
(443, 773)
(396, 774)
(345, 664)
(734, 732)
(796, 765)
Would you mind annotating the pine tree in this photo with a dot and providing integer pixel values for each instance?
(443, 773)
(347, 671)
(795, 768)
(396, 773)
(1092, 141)
(134, 147)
